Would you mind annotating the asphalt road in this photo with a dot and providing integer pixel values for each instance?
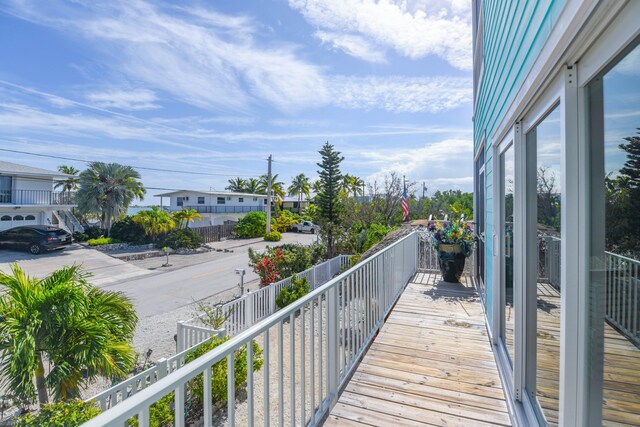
(167, 291)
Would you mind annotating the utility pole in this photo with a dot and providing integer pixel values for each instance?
(269, 195)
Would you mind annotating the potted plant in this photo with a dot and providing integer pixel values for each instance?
(454, 241)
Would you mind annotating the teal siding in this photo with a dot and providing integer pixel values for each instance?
(514, 34)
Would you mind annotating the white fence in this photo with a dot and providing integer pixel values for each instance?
(335, 322)
(252, 307)
(163, 367)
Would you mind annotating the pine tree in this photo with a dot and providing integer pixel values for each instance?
(631, 167)
(327, 199)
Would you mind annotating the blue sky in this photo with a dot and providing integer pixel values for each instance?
(215, 87)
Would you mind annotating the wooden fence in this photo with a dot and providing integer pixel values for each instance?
(215, 233)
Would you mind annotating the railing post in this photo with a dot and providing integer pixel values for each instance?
(332, 343)
(180, 338)
(163, 368)
(249, 309)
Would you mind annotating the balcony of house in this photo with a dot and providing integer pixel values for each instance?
(386, 342)
(37, 197)
(218, 209)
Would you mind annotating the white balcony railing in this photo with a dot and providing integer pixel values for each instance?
(218, 209)
(37, 197)
(335, 323)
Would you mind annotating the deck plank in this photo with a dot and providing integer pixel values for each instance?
(431, 364)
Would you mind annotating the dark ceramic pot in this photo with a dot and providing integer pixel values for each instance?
(451, 262)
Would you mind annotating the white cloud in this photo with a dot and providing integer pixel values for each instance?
(413, 28)
(354, 45)
(140, 99)
(402, 94)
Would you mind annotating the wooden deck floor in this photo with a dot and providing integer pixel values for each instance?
(431, 364)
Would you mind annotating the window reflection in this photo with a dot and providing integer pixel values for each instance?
(508, 306)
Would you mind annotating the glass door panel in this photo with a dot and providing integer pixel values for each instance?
(507, 161)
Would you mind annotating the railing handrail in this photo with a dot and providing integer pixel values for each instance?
(142, 400)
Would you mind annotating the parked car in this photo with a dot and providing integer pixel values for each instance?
(306, 226)
(35, 238)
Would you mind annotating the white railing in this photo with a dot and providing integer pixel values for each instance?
(243, 312)
(549, 260)
(129, 387)
(310, 348)
(622, 287)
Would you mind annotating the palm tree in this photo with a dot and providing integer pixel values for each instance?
(252, 186)
(155, 221)
(277, 187)
(358, 186)
(186, 216)
(237, 185)
(300, 185)
(347, 183)
(71, 183)
(316, 186)
(85, 332)
(107, 190)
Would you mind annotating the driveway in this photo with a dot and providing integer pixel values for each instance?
(105, 270)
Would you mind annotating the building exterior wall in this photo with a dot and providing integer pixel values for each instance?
(512, 35)
(211, 199)
(25, 183)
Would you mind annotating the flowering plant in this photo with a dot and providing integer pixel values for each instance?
(452, 233)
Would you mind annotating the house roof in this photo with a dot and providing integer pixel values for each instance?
(8, 168)
(211, 193)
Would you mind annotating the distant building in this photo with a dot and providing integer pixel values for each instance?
(27, 197)
(295, 206)
(215, 207)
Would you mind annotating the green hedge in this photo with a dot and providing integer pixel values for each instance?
(102, 241)
(299, 288)
(252, 225)
(60, 414)
(180, 238)
(274, 236)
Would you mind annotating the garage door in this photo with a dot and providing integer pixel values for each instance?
(14, 220)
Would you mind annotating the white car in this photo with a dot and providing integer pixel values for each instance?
(304, 227)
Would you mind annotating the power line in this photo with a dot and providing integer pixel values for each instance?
(136, 167)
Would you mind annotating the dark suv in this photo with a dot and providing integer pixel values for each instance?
(35, 238)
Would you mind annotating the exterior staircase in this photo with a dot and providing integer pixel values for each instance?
(67, 221)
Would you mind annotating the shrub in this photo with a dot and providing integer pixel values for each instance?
(284, 261)
(80, 237)
(251, 225)
(285, 220)
(181, 238)
(102, 241)
(94, 232)
(375, 234)
(127, 230)
(299, 288)
(219, 370)
(160, 413)
(66, 414)
(274, 236)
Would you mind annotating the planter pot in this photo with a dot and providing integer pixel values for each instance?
(451, 262)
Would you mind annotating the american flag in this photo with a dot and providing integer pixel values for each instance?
(405, 205)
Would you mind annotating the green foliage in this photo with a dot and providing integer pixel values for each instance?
(71, 183)
(327, 199)
(375, 233)
(127, 230)
(310, 213)
(185, 216)
(299, 288)
(107, 190)
(102, 241)
(85, 332)
(300, 186)
(453, 233)
(80, 237)
(155, 221)
(160, 413)
(285, 220)
(60, 414)
(273, 236)
(252, 225)
(219, 370)
(286, 260)
(181, 238)
(94, 232)
(277, 187)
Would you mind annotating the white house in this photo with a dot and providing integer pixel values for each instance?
(27, 197)
(215, 207)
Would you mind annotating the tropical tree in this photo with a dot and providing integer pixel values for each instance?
(357, 186)
(185, 216)
(84, 332)
(71, 183)
(237, 185)
(347, 183)
(155, 221)
(327, 200)
(300, 185)
(252, 185)
(107, 190)
(277, 187)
